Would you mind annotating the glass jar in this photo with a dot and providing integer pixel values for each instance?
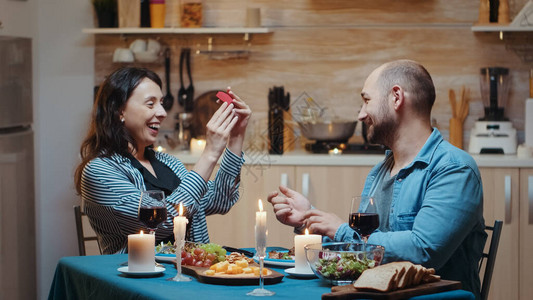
(191, 13)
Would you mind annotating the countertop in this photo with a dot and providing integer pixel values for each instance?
(302, 158)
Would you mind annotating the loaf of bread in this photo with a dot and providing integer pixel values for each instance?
(395, 275)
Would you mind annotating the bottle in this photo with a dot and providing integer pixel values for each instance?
(145, 13)
(157, 13)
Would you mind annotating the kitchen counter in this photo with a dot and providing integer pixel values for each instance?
(301, 158)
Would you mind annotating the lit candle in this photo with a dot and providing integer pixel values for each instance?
(180, 225)
(260, 230)
(197, 146)
(300, 261)
(141, 252)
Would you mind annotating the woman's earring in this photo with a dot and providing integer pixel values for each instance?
(122, 119)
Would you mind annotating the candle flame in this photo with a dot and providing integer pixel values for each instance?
(142, 232)
(260, 205)
(306, 231)
(181, 209)
(200, 142)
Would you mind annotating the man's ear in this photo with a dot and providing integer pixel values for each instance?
(398, 96)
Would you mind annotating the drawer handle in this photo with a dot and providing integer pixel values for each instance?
(305, 185)
(530, 198)
(507, 191)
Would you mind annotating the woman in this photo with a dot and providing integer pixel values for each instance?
(118, 161)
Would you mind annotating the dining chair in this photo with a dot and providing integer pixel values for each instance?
(82, 237)
(490, 257)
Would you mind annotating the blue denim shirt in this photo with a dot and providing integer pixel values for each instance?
(436, 214)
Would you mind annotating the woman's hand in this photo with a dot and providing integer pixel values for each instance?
(218, 131)
(243, 112)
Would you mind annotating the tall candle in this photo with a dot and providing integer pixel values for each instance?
(141, 252)
(180, 225)
(300, 261)
(197, 146)
(260, 231)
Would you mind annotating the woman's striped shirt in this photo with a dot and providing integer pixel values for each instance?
(111, 188)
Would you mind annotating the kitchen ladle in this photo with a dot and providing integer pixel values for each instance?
(168, 100)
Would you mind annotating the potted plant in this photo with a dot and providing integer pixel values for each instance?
(106, 12)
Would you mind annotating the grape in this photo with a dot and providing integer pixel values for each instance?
(203, 254)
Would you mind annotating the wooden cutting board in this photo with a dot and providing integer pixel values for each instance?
(349, 292)
(226, 279)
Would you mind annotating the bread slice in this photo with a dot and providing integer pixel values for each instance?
(395, 275)
(407, 279)
(377, 279)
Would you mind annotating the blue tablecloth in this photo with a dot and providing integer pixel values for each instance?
(96, 277)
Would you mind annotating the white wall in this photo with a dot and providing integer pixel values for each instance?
(63, 72)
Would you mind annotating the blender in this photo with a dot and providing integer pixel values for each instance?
(493, 133)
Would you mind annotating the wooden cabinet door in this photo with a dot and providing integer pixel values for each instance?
(237, 227)
(331, 188)
(526, 233)
(501, 202)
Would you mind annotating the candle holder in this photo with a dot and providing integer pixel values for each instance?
(261, 291)
(179, 276)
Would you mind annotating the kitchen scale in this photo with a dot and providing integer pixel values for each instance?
(493, 133)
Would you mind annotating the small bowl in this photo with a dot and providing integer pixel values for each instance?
(146, 56)
(342, 263)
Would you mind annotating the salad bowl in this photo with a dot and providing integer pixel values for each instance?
(342, 263)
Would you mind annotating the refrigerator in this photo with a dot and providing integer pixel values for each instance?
(17, 182)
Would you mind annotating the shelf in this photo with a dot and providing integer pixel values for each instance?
(501, 28)
(201, 30)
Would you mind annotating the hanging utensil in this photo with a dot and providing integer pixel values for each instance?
(181, 92)
(168, 100)
(189, 91)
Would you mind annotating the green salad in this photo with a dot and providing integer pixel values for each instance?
(346, 266)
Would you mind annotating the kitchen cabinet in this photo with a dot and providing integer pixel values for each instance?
(501, 202)
(526, 233)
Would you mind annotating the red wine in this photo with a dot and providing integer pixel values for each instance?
(364, 223)
(152, 216)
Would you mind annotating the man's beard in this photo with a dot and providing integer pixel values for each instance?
(383, 131)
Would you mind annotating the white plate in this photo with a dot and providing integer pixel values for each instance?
(277, 262)
(292, 272)
(124, 270)
(166, 258)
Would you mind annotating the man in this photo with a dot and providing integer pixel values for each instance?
(429, 192)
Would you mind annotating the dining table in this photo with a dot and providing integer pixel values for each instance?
(97, 277)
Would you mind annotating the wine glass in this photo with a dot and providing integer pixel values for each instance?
(366, 221)
(152, 209)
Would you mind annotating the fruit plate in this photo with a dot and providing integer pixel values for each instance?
(227, 279)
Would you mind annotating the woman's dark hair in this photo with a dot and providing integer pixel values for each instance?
(107, 135)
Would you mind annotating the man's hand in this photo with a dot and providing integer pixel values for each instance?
(323, 223)
(289, 206)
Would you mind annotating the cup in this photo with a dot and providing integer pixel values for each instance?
(253, 17)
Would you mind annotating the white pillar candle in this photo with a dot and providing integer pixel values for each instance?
(197, 146)
(300, 261)
(141, 252)
(260, 231)
(180, 225)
